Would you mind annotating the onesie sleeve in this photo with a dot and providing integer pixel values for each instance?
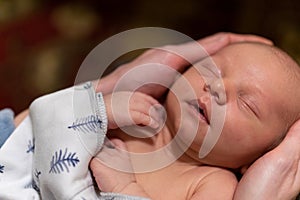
(117, 196)
(16, 164)
(69, 128)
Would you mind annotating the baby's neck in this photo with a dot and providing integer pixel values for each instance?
(141, 141)
(157, 151)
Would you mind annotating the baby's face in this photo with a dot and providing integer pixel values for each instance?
(254, 90)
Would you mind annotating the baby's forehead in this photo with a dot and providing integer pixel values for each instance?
(266, 62)
(282, 69)
(259, 55)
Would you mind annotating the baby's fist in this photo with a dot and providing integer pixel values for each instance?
(130, 108)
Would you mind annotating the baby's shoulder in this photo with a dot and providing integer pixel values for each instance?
(208, 172)
(205, 174)
(214, 182)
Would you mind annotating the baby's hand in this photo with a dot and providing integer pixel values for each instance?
(129, 108)
(112, 167)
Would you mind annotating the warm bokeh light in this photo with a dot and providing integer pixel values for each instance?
(42, 43)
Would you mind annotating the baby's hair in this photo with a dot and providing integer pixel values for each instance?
(289, 64)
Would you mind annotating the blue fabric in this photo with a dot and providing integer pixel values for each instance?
(7, 125)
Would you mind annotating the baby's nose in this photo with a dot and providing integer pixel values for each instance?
(217, 90)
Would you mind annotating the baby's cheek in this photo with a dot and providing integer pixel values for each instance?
(199, 141)
(233, 134)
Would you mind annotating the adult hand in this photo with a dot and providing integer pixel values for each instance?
(168, 57)
(276, 175)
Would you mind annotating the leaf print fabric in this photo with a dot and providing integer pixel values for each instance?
(16, 165)
(69, 128)
(61, 162)
(47, 150)
(30, 146)
(88, 124)
(1, 169)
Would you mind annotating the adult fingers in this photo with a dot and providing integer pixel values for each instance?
(214, 43)
(290, 144)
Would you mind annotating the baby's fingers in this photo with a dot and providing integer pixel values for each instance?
(153, 111)
(141, 118)
(133, 108)
(138, 97)
(145, 110)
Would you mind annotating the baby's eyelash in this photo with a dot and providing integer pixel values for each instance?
(248, 107)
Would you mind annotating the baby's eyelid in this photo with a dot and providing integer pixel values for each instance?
(253, 108)
(249, 106)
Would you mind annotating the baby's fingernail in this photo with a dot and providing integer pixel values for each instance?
(158, 105)
(154, 124)
(159, 108)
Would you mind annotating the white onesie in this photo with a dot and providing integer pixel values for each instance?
(48, 155)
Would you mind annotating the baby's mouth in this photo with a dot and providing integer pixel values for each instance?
(200, 108)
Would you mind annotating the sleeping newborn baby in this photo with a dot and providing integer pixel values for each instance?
(247, 104)
(257, 86)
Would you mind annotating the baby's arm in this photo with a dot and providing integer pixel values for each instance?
(112, 166)
(111, 180)
(20, 117)
(69, 128)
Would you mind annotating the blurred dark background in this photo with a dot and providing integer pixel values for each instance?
(43, 42)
